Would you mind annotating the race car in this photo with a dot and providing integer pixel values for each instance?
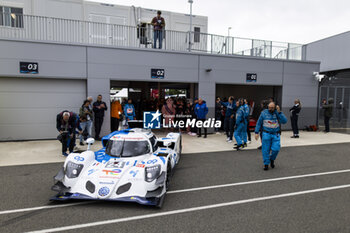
(133, 166)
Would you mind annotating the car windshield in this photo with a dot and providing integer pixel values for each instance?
(123, 148)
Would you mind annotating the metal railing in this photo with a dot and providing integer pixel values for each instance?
(39, 28)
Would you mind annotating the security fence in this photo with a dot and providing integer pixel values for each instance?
(39, 28)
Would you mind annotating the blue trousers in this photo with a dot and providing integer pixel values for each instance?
(271, 145)
(244, 132)
(238, 133)
(157, 35)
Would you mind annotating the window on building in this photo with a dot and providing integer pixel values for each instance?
(11, 16)
(197, 34)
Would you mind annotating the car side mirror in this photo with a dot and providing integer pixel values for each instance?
(167, 143)
(90, 141)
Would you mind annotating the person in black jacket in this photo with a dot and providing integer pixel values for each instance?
(66, 124)
(328, 112)
(99, 108)
(294, 111)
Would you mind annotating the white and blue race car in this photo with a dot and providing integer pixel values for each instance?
(133, 165)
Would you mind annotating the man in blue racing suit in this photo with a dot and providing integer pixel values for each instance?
(246, 121)
(240, 124)
(270, 121)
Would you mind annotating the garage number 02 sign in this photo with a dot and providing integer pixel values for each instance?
(29, 67)
(157, 73)
(251, 78)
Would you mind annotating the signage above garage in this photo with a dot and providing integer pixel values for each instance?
(29, 67)
(157, 73)
(251, 78)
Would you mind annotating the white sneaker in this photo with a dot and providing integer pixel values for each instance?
(229, 141)
(194, 134)
(218, 133)
(249, 142)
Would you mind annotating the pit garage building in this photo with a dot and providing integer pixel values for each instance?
(73, 61)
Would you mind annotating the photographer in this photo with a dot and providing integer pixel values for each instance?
(66, 124)
(85, 115)
(158, 23)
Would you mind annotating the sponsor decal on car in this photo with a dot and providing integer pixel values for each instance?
(112, 172)
(92, 171)
(79, 158)
(111, 182)
(133, 173)
(115, 164)
(104, 191)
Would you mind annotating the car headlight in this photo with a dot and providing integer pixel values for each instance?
(151, 173)
(73, 170)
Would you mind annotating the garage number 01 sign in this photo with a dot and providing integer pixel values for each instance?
(157, 73)
(29, 67)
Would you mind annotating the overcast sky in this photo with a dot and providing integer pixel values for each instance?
(297, 21)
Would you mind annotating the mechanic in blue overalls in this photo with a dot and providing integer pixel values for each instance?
(246, 110)
(129, 111)
(240, 124)
(270, 121)
(229, 122)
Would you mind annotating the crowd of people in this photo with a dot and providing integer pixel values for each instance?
(69, 123)
(237, 117)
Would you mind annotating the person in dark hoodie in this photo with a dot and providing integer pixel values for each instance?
(229, 122)
(201, 111)
(99, 108)
(294, 111)
(328, 112)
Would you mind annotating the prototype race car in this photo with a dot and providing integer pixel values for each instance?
(133, 165)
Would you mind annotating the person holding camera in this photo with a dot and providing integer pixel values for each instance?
(269, 122)
(66, 124)
(158, 23)
(85, 115)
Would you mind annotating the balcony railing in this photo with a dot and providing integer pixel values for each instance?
(39, 28)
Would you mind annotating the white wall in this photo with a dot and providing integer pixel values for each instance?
(105, 13)
(332, 52)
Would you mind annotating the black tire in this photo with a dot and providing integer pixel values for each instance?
(168, 176)
(160, 201)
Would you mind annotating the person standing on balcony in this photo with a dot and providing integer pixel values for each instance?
(158, 23)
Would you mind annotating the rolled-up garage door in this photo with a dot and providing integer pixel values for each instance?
(28, 107)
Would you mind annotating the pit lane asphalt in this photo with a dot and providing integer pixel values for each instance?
(329, 211)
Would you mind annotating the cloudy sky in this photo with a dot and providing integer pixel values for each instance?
(297, 21)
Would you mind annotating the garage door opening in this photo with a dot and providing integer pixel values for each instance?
(150, 96)
(253, 93)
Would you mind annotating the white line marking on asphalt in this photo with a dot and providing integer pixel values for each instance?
(257, 181)
(172, 212)
(187, 190)
(41, 208)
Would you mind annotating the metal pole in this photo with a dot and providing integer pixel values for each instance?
(190, 34)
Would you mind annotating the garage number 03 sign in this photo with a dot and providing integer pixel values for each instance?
(29, 67)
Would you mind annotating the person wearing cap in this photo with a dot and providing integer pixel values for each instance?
(158, 23)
